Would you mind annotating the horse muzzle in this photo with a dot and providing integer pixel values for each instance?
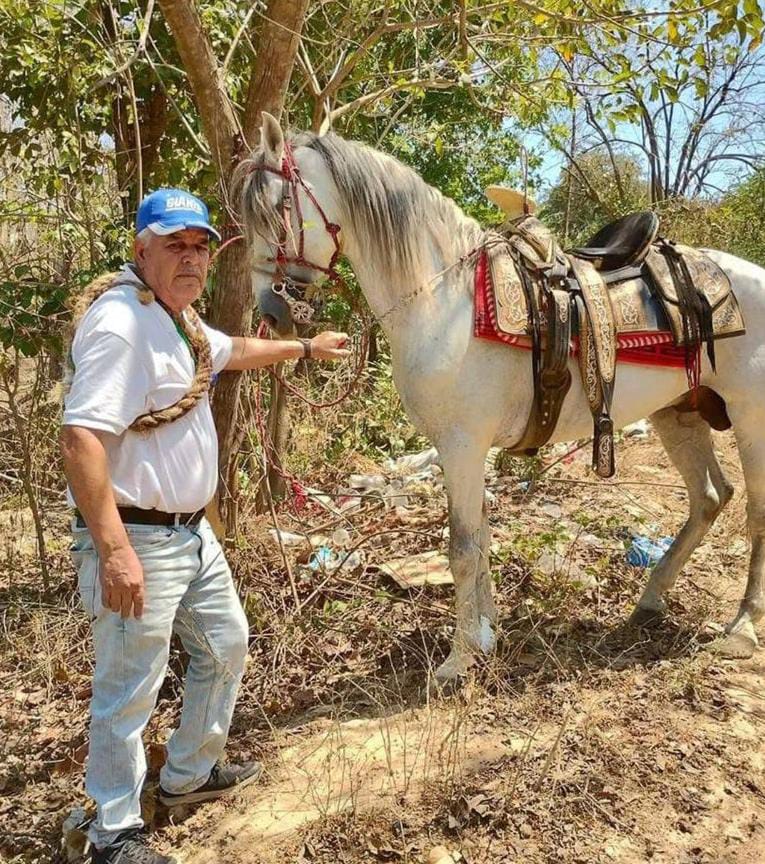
(275, 312)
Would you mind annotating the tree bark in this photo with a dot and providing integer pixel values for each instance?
(277, 429)
(373, 351)
(231, 312)
(277, 41)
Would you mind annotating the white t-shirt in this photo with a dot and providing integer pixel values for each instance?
(129, 358)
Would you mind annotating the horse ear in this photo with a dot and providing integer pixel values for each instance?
(272, 139)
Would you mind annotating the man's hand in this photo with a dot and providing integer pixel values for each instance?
(121, 577)
(87, 470)
(329, 346)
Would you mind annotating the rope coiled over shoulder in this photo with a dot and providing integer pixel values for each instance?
(191, 325)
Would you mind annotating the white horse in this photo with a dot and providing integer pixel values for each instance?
(404, 241)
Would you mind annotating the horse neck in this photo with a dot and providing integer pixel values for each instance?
(439, 274)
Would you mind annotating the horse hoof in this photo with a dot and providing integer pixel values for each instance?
(735, 646)
(454, 668)
(642, 617)
(443, 688)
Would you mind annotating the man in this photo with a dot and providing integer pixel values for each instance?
(140, 454)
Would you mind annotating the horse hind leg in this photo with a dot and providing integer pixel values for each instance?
(688, 441)
(741, 640)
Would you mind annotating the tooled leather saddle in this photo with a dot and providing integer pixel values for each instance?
(627, 287)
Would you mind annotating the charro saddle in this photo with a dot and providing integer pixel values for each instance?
(627, 284)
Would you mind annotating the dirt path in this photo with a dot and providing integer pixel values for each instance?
(703, 798)
(360, 766)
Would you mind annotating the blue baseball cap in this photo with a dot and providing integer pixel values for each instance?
(169, 210)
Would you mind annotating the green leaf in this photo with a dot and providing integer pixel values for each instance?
(701, 87)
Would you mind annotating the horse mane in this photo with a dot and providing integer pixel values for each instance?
(389, 204)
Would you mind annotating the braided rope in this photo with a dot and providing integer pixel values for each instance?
(191, 325)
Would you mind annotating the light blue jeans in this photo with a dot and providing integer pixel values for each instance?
(189, 591)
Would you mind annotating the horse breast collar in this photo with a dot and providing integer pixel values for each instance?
(298, 295)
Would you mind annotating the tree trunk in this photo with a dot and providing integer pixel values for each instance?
(276, 39)
(373, 351)
(277, 429)
(234, 284)
(216, 112)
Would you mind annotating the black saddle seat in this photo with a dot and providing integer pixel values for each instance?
(622, 243)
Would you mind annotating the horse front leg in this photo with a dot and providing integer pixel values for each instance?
(487, 609)
(463, 464)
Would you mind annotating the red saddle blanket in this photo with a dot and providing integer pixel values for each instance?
(649, 348)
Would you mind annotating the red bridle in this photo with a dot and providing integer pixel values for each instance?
(292, 182)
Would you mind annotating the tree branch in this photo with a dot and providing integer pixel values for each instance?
(573, 165)
(140, 48)
(605, 139)
(369, 42)
(375, 96)
(236, 40)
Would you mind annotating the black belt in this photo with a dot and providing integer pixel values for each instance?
(139, 516)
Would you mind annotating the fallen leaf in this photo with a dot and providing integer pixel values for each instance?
(414, 571)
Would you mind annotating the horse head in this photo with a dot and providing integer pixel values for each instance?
(293, 234)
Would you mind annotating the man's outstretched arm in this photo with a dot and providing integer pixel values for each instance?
(252, 353)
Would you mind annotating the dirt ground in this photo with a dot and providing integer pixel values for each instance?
(580, 740)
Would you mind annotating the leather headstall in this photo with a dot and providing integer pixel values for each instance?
(302, 298)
